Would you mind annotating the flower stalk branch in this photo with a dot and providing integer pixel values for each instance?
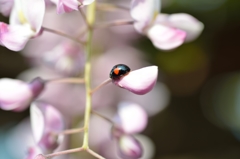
(64, 152)
(69, 131)
(102, 116)
(62, 34)
(101, 85)
(114, 23)
(66, 80)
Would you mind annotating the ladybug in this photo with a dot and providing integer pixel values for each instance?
(119, 71)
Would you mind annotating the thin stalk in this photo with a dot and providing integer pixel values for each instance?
(64, 152)
(101, 85)
(69, 131)
(66, 80)
(114, 23)
(95, 154)
(84, 17)
(62, 34)
(102, 116)
(90, 19)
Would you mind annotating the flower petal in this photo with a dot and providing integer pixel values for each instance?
(14, 37)
(144, 12)
(129, 147)
(166, 38)
(6, 7)
(140, 81)
(12, 98)
(130, 123)
(35, 10)
(28, 13)
(45, 120)
(187, 23)
(86, 2)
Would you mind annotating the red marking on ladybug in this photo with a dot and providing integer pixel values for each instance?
(119, 71)
(116, 71)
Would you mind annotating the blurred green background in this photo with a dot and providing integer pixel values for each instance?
(201, 121)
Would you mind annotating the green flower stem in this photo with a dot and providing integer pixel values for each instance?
(90, 19)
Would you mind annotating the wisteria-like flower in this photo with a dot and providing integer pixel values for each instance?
(140, 81)
(65, 6)
(165, 31)
(128, 124)
(25, 22)
(46, 120)
(17, 95)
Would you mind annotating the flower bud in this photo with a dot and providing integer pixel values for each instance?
(17, 95)
(45, 120)
(140, 81)
(129, 147)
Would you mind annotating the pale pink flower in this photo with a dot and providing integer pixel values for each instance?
(129, 147)
(144, 12)
(46, 120)
(65, 6)
(140, 81)
(6, 7)
(25, 22)
(17, 95)
(129, 123)
(165, 31)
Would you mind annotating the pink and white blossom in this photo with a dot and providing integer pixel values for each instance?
(16, 95)
(65, 6)
(25, 22)
(140, 81)
(46, 120)
(166, 31)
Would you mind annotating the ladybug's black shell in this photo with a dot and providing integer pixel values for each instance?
(118, 71)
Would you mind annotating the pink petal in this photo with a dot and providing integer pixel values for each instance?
(166, 38)
(130, 123)
(14, 37)
(45, 119)
(140, 81)
(68, 5)
(65, 6)
(144, 12)
(129, 147)
(187, 23)
(12, 98)
(6, 7)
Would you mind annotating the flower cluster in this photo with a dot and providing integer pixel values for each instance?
(64, 72)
